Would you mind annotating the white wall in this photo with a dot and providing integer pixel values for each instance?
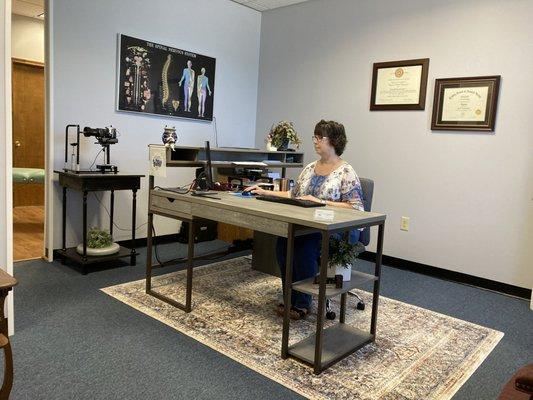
(469, 196)
(84, 54)
(27, 38)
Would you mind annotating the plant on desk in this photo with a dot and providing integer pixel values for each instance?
(342, 255)
(99, 243)
(281, 135)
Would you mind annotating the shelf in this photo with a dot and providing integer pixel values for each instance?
(183, 163)
(358, 279)
(72, 254)
(223, 158)
(338, 341)
(229, 164)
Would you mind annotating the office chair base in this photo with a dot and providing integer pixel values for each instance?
(331, 315)
(360, 303)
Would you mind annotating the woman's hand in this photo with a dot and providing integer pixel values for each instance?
(311, 198)
(255, 189)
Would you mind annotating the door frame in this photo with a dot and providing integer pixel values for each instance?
(48, 134)
(6, 157)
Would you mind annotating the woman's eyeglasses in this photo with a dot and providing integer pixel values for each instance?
(317, 139)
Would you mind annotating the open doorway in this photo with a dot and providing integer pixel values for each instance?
(28, 103)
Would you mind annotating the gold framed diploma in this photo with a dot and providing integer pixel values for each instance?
(399, 85)
(465, 104)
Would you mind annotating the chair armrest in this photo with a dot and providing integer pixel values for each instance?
(524, 380)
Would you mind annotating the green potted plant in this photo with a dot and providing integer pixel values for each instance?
(99, 243)
(342, 255)
(282, 135)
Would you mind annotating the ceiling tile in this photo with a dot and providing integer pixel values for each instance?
(263, 5)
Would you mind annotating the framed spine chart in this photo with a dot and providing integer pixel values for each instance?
(163, 80)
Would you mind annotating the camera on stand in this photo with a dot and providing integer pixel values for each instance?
(105, 137)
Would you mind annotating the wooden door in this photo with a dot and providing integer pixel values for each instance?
(28, 128)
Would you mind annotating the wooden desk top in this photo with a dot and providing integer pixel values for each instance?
(6, 280)
(249, 206)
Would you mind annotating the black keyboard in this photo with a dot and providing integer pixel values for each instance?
(292, 202)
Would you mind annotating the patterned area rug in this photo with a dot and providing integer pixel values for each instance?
(418, 354)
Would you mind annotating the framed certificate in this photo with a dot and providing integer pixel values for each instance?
(399, 85)
(465, 104)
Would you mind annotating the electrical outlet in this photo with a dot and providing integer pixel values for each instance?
(404, 224)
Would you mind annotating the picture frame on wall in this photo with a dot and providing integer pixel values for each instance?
(399, 85)
(158, 79)
(466, 104)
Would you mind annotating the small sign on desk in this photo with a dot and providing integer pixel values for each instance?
(324, 215)
(158, 164)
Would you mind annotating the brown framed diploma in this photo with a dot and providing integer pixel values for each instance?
(399, 85)
(465, 104)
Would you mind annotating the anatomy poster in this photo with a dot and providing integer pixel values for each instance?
(158, 79)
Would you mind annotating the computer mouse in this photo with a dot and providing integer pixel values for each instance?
(247, 194)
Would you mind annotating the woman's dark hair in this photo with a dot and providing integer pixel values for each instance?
(335, 134)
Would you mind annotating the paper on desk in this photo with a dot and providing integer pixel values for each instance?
(324, 215)
(158, 165)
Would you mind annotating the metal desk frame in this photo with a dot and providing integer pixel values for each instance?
(342, 339)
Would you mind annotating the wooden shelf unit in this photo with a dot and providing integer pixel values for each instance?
(184, 156)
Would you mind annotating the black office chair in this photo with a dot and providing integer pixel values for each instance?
(367, 186)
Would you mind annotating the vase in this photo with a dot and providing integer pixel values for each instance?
(102, 251)
(270, 147)
(339, 269)
(284, 145)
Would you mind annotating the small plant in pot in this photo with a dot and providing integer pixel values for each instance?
(99, 243)
(282, 135)
(342, 255)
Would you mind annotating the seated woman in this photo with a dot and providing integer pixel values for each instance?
(331, 181)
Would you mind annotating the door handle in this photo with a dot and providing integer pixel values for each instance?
(17, 143)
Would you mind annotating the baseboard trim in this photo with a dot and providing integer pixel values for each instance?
(448, 275)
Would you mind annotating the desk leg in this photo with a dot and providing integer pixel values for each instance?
(149, 252)
(64, 218)
(375, 298)
(8, 355)
(324, 256)
(287, 289)
(84, 255)
(190, 257)
(133, 258)
(111, 212)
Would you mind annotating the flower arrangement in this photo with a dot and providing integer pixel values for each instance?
(98, 239)
(342, 252)
(281, 134)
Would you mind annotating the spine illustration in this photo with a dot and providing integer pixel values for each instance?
(164, 78)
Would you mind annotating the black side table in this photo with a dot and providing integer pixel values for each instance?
(86, 183)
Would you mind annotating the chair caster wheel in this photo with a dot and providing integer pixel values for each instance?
(361, 306)
(331, 315)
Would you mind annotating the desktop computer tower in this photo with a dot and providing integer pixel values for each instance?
(204, 230)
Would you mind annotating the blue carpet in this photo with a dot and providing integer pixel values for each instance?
(72, 341)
